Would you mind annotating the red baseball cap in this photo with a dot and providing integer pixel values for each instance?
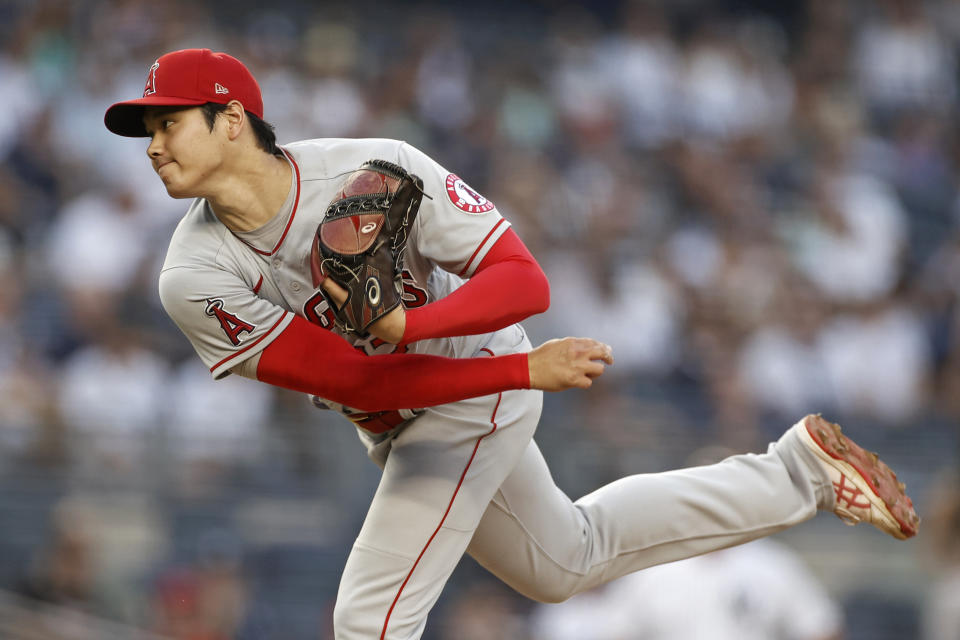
(188, 77)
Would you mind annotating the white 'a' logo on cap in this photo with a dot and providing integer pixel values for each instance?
(151, 87)
(219, 88)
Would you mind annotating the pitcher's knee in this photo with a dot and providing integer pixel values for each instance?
(553, 591)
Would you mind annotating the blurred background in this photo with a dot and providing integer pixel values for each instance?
(755, 202)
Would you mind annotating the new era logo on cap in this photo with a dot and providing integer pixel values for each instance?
(189, 77)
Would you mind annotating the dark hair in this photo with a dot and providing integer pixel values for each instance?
(263, 131)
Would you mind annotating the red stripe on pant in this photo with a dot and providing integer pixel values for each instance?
(383, 634)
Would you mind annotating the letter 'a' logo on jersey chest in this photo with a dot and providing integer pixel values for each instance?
(233, 326)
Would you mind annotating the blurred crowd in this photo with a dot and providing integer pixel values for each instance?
(755, 203)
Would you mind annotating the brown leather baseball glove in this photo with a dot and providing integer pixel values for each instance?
(361, 241)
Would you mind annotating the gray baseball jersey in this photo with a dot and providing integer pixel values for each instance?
(466, 476)
(233, 293)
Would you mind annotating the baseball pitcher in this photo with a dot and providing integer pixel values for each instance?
(366, 275)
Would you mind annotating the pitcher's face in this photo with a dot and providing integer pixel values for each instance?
(183, 150)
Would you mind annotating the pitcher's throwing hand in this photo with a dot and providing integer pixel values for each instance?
(568, 363)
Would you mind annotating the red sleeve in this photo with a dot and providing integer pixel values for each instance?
(310, 359)
(507, 287)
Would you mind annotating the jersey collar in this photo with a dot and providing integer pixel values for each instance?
(296, 202)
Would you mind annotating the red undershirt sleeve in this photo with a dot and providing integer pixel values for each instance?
(507, 286)
(310, 359)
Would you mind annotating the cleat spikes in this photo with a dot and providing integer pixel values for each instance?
(865, 488)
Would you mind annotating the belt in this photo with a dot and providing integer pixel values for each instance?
(378, 421)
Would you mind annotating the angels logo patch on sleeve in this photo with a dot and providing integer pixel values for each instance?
(465, 198)
(231, 324)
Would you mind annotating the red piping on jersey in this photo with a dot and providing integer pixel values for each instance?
(256, 287)
(296, 201)
(480, 246)
(252, 344)
(476, 446)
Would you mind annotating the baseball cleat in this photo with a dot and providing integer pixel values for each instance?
(866, 489)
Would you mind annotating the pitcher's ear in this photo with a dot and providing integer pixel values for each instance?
(235, 118)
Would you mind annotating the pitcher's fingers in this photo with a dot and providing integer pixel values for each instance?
(338, 293)
(601, 351)
(608, 354)
(583, 382)
(594, 369)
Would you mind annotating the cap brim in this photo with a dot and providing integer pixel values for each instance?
(126, 118)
